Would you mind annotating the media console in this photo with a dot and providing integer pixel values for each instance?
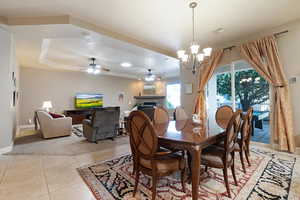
(78, 115)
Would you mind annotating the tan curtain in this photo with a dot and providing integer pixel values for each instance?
(206, 72)
(263, 55)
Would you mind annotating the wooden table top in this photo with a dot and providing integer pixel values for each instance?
(185, 131)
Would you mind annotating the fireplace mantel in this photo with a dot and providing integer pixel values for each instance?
(149, 97)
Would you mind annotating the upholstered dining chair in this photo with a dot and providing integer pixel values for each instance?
(148, 158)
(161, 116)
(244, 141)
(223, 116)
(180, 114)
(223, 157)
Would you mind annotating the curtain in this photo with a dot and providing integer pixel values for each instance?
(206, 72)
(263, 55)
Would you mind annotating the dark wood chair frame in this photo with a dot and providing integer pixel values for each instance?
(230, 140)
(244, 141)
(154, 155)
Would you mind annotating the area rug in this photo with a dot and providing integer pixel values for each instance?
(272, 175)
(77, 130)
(34, 144)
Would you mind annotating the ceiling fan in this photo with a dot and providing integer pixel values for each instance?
(94, 68)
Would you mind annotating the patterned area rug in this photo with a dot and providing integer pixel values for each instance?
(272, 175)
(77, 130)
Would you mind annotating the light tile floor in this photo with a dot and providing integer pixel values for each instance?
(29, 177)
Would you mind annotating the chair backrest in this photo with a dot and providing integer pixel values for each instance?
(223, 116)
(43, 116)
(247, 125)
(180, 114)
(106, 118)
(148, 110)
(143, 138)
(232, 131)
(161, 116)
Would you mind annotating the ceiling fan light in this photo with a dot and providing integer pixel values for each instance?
(194, 48)
(90, 70)
(150, 78)
(97, 66)
(200, 57)
(96, 71)
(180, 53)
(207, 51)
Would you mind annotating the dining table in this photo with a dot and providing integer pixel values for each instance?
(191, 137)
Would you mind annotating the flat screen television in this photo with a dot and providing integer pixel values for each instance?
(89, 100)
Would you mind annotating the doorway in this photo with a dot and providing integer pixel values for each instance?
(240, 86)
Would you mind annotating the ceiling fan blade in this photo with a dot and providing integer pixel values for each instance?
(105, 69)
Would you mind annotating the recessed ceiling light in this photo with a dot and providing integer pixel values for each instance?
(220, 30)
(126, 64)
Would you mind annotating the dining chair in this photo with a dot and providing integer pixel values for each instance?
(148, 157)
(180, 114)
(161, 116)
(223, 157)
(223, 116)
(244, 140)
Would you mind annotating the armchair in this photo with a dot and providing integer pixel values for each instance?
(54, 127)
(103, 124)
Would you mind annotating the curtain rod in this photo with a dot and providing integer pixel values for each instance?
(275, 34)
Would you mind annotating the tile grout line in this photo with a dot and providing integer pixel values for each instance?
(45, 177)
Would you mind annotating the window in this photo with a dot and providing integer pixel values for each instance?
(173, 95)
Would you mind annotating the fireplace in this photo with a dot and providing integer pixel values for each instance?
(150, 100)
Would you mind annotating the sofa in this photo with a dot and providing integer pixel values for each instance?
(54, 127)
(103, 124)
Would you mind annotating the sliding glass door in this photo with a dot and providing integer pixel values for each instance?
(240, 86)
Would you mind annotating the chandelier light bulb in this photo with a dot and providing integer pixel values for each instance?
(180, 53)
(194, 48)
(200, 57)
(207, 51)
(185, 58)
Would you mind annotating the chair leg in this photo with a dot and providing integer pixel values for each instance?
(247, 157)
(137, 176)
(206, 168)
(154, 182)
(183, 180)
(233, 174)
(242, 160)
(226, 181)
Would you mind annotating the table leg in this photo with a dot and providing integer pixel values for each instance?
(196, 161)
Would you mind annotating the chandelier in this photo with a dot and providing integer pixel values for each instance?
(193, 57)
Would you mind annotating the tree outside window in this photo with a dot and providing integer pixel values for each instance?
(250, 88)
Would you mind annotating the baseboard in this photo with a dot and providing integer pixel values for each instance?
(6, 149)
(30, 126)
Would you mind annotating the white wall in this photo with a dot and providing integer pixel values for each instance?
(7, 67)
(60, 87)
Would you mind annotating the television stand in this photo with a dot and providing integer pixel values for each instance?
(78, 115)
